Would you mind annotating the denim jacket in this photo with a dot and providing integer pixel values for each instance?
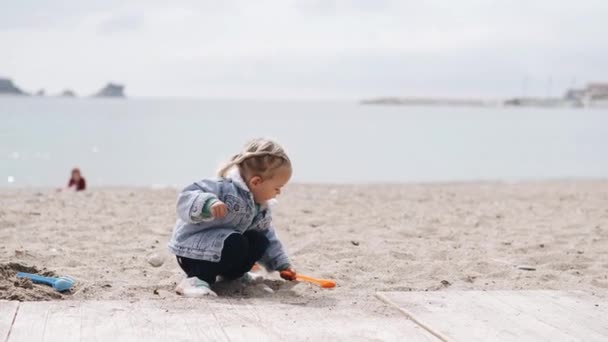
(198, 237)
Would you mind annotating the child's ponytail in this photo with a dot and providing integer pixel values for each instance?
(260, 157)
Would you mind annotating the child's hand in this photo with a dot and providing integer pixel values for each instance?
(218, 209)
(288, 274)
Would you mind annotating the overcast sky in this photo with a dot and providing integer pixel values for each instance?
(305, 49)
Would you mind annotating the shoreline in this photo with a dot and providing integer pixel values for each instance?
(522, 181)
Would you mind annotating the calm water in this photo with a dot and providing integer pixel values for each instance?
(173, 142)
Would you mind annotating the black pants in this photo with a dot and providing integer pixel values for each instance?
(239, 254)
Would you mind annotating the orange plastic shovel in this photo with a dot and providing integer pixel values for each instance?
(324, 283)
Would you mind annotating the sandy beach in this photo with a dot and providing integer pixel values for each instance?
(368, 238)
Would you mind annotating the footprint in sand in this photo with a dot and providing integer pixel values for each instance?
(600, 283)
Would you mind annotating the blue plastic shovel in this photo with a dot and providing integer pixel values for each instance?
(60, 284)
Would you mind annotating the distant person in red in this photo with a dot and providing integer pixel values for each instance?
(77, 181)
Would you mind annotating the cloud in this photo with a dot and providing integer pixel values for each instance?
(121, 23)
(304, 48)
(44, 15)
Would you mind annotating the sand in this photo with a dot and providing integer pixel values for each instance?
(368, 238)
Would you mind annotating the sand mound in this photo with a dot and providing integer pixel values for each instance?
(21, 289)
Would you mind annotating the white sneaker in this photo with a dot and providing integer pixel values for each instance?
(194, 287)
(250, 278)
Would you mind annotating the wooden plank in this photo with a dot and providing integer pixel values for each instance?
(47, 321)
(504, 315)
(30, 322)
(572, 313)
(8, 310)
(239, 324)
(294, 322)
(112, 321)
(204, 320)
(147, 321)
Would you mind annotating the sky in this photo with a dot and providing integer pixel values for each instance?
(316, 49)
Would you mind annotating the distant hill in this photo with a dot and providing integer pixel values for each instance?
(7, 87)
(111, 90)
(67, 93)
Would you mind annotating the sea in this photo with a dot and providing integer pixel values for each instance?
(173, 142)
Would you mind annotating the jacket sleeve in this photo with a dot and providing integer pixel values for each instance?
(275, 258)
(191, 201)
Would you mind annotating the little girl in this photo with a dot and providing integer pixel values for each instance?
(224, 224)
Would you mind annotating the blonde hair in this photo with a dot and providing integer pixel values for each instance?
(259, 157)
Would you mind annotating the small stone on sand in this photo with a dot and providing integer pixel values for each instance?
(155, 260)
(265, 288)
(526, 268)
